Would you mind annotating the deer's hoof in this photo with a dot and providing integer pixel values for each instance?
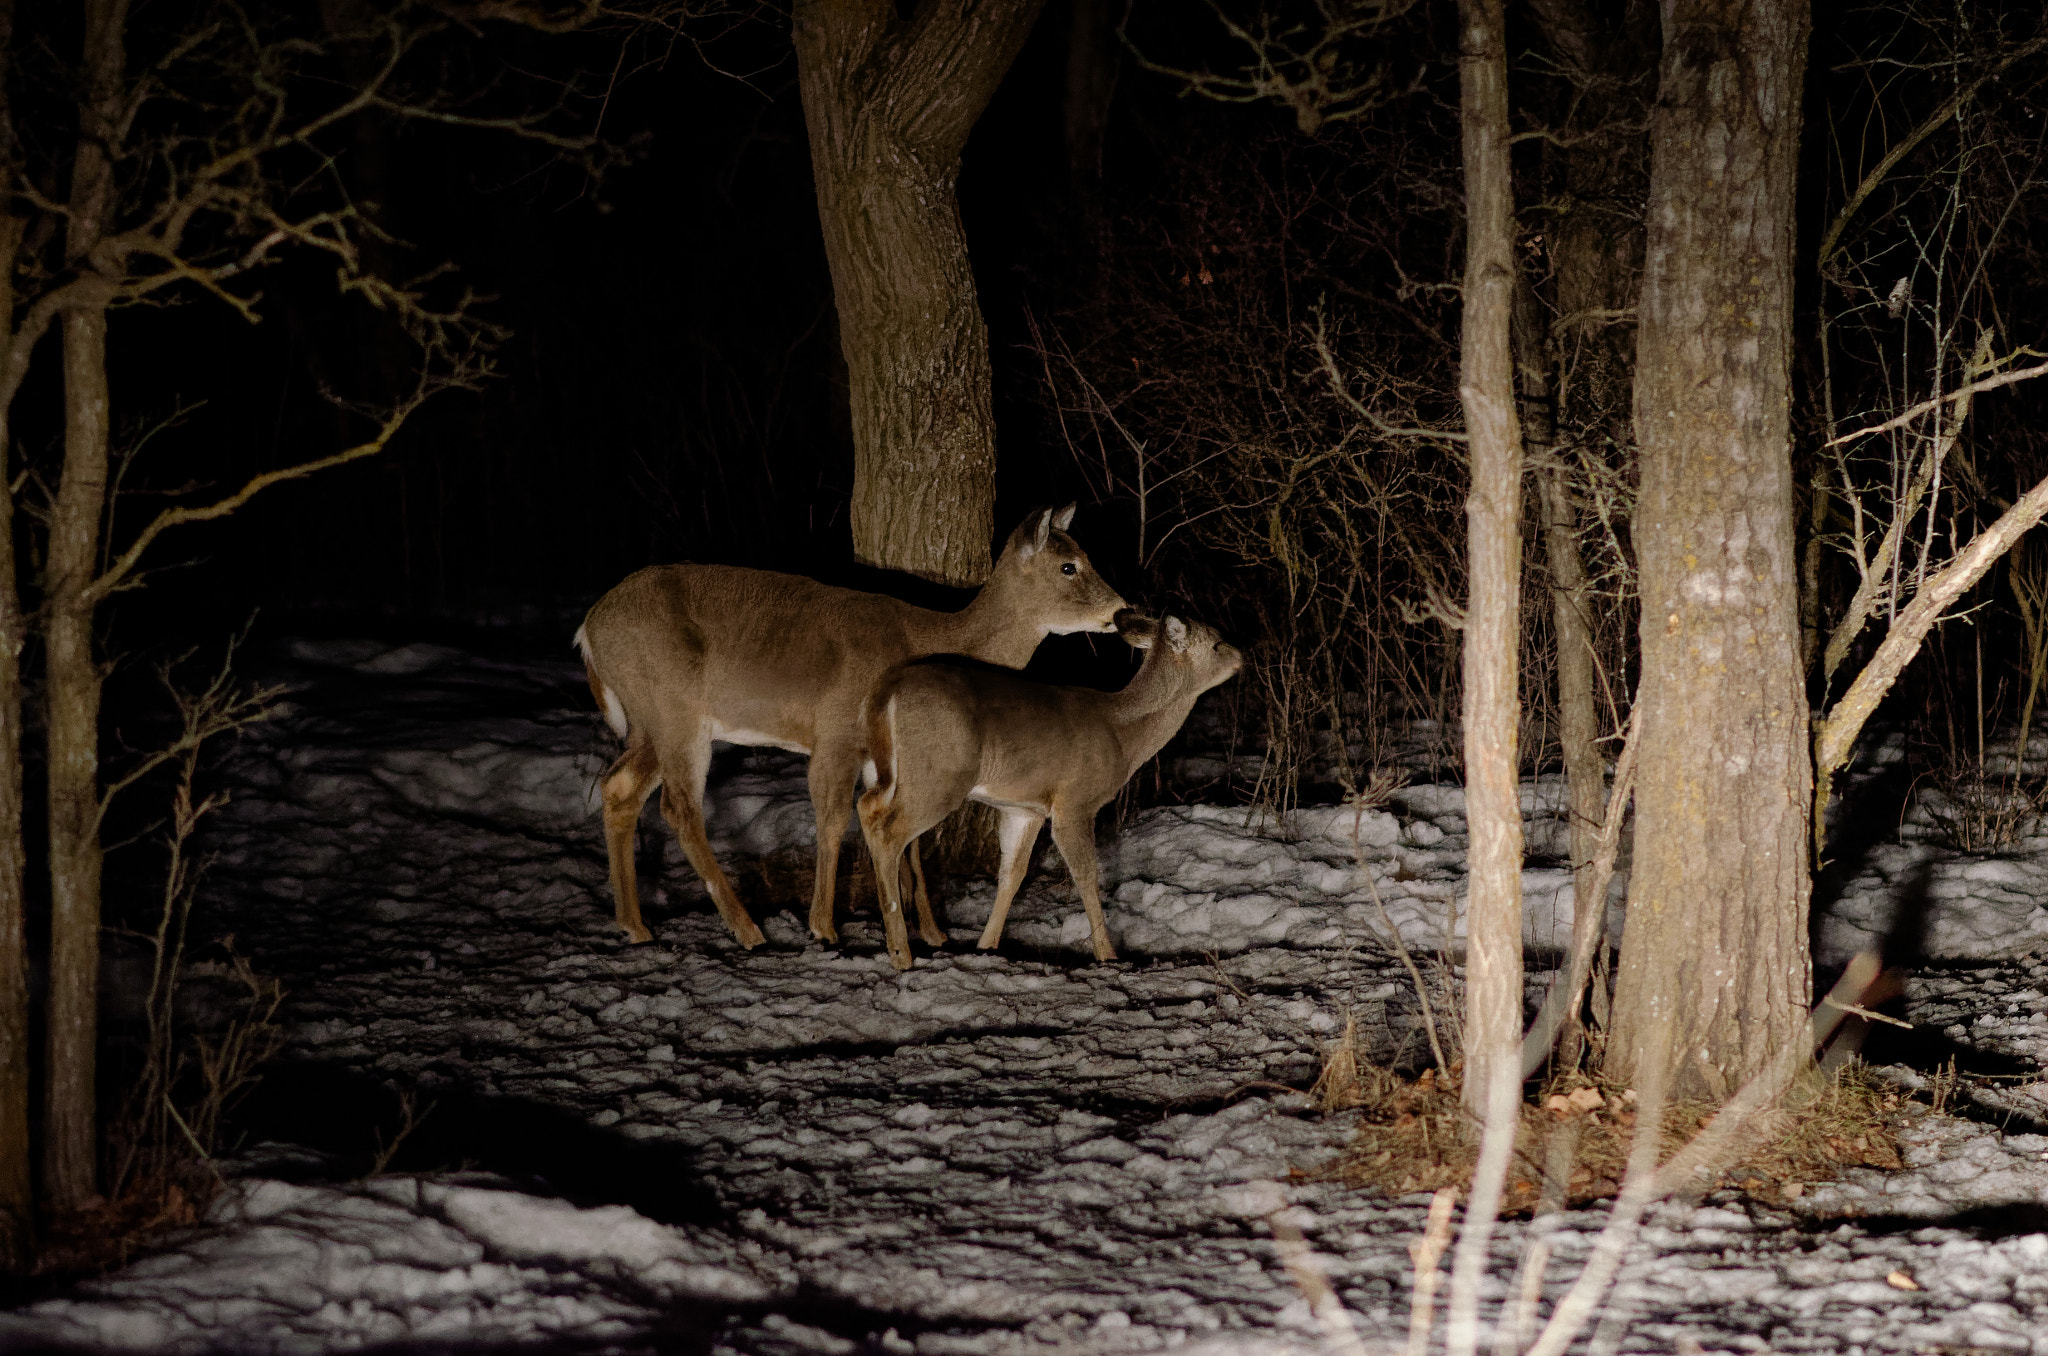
(636, 934)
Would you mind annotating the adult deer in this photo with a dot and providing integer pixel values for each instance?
(941, 732)
(681, 655)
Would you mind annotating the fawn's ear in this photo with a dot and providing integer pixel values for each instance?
(1064, 518)
(1137, 629)
(1177, 634)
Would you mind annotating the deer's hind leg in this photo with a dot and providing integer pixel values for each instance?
(626, 787)
(834, 776)
(913, 865)
(1019, 834)
(684, 763)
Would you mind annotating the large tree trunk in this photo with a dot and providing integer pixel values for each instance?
(1716, 936)
(72, 687)
(889, 103)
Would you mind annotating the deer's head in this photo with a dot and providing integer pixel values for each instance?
(1047, 579)
(1188, 655)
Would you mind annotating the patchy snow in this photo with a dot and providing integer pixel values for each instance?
(800, 1150)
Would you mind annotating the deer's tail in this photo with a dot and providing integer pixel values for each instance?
(607, 700)
(878, 718)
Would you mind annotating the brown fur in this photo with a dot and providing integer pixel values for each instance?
(942, 734)
(695, 653)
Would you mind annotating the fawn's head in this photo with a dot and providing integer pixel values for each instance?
(1189, 655)
(1046, 577)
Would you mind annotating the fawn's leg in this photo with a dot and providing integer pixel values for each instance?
(1019, 833)
(881, 823)
(927, 926)
(1076, 840)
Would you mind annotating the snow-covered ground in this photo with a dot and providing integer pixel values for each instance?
(689, 1146)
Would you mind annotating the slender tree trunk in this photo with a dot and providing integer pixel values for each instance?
(17, 1178)
(1493, 804)
(1093, 51)
(17, 1198)
(1716, 937)
(72, 686)
(1493, 1025)
(889, 103)
(72, 702)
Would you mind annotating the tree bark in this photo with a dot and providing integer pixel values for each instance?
(1492, 701)
(1093, 51)
(889, 103)
(1716, 937)
(72, 687)
(17, 1198)
(1493, 1024)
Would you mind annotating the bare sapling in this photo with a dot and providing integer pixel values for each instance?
(682, 655)
(943, 733)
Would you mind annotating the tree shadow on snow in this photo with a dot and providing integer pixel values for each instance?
(346, 1116)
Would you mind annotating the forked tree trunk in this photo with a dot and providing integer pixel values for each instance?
(1716, 936)
(72, 685)
(889, 103)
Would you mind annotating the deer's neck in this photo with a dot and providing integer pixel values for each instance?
(1147, 714)
(991, 628)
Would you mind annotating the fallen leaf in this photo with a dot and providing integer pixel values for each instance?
(1899, 1280)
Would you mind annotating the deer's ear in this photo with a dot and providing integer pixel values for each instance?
(1064, 518)
(1030, 535)
(1043, 533)
(1137, 629)
(1177, 634)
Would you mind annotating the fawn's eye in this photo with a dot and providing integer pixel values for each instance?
(1069, 568)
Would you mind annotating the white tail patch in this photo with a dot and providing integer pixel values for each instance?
(614, 712)
(889, 791)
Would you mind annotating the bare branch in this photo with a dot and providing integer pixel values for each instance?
(124, 565)
(1963, 393)
(1836, 734)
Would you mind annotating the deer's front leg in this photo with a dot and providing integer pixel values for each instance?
(1075, 836)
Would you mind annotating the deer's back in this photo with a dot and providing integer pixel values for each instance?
(753, 649)
(1024, 739)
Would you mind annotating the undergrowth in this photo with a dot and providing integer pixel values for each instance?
(1415, 1136)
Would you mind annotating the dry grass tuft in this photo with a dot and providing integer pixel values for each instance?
(108, 1231)
(1415, 1136)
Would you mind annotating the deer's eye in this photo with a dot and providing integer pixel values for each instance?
(1069, 568)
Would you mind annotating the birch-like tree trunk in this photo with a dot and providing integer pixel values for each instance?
(889, 102)
(1716, 937)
